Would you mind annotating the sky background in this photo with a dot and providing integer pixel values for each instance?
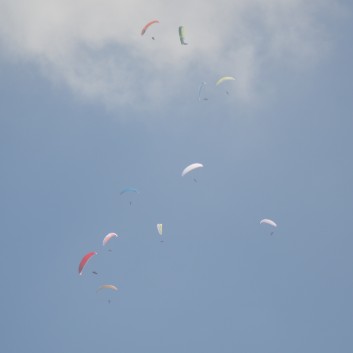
(89, 107)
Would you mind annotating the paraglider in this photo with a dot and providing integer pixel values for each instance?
(129, 190)
(223, 79)
(200, 90)
(108, 237)
(144, 29)
(191, 167)
(107, 286)
(84, 261)
(95, 273)
(160, 230)
(182, 35)
(269, 222)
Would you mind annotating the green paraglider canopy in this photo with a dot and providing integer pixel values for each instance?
(182, 35)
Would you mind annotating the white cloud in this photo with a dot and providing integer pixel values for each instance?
(95, 46)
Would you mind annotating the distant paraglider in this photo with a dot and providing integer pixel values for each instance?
(203, 84)
(129, 190)
(269, 222)
(182, 35)
(223, 79)
(107, 286)
(85, 260)
(160, 230)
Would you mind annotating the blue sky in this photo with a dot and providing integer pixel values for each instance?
(278, 146)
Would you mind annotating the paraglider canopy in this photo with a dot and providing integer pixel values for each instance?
(85, 260)
(182, 35)
(269, 222)
(129, 189)
(191, 167)
(225, 78)
(107, 286)
(108, 237)
(160, 228)
(144, 29)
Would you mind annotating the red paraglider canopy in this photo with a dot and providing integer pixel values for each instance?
(147, 25)
(84, 261)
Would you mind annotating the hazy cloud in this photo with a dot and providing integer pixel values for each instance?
(96, 49)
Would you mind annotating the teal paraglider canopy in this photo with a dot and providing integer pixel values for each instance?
(129, 189)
